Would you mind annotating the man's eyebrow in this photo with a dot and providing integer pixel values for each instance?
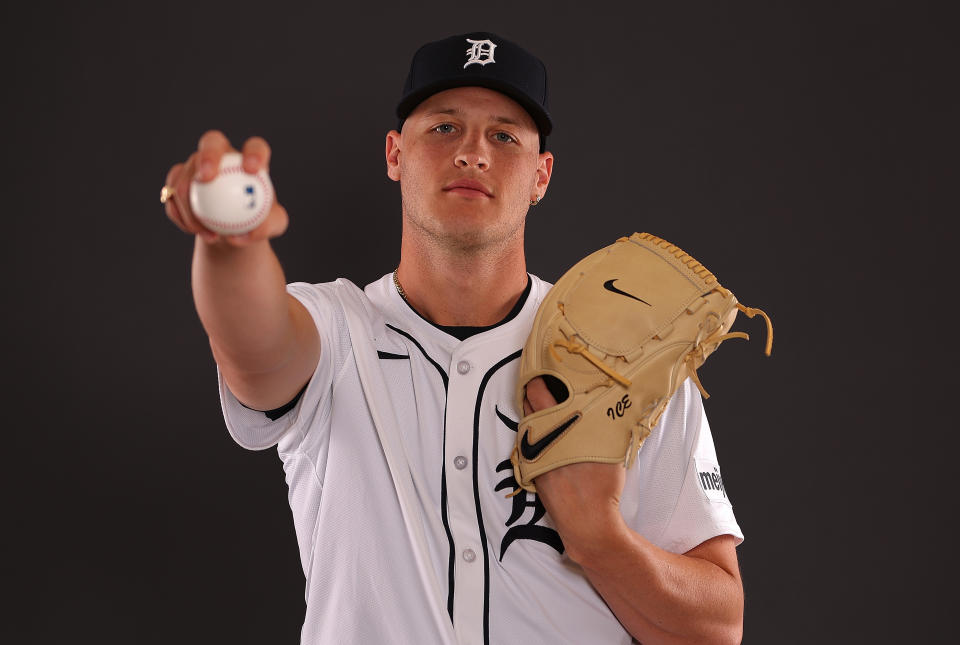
(454, 111)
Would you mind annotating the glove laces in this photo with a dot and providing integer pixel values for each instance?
(685, 258)
(577, 348)
(753, 311)
(698, 354)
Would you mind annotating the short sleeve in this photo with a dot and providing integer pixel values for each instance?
(703, 509)
(252, 429)
(676, 498)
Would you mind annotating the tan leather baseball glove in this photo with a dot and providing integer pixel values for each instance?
(614, 339)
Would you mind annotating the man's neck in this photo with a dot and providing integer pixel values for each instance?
(455, 288)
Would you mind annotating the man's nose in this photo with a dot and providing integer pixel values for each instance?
(472, 154)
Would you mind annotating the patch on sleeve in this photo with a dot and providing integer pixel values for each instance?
(709, 480)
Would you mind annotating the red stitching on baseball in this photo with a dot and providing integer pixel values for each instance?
(266, 190)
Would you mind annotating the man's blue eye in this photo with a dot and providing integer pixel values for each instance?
(444, 128)
(504, 137)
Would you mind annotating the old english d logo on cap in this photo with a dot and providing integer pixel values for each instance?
(480, 52)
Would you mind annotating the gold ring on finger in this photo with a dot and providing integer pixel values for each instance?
(166, 193)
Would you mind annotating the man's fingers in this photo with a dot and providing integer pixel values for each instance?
(274, 226)
(181, 187)
(203, 165)
(256, 155)
(170, 206)
(177, 206)
(538, 396)
(210, 148)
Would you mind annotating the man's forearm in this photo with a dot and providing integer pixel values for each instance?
(663, 597)
(658, 596)
(241, 298)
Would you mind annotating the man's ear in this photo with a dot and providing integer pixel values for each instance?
(393, 155)
(544, 172)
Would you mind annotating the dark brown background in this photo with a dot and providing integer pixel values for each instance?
(801, 152)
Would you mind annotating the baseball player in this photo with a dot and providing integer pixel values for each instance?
(393, 407)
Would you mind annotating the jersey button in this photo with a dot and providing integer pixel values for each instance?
(460, 462)
(463, 367)
(469, 555)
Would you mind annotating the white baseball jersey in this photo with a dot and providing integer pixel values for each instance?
(500, 564)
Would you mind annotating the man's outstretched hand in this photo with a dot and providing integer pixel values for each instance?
(202, 165)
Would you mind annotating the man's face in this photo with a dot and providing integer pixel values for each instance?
(468, 164)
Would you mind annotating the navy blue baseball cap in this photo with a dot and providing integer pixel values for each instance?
(479, 59)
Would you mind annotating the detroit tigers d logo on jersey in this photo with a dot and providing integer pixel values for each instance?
(480, 52)
(532, 529)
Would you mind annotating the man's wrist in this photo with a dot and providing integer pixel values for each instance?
(603, 547)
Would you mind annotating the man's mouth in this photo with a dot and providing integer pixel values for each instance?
(467, 188)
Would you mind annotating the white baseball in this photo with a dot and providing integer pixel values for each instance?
(235, 202)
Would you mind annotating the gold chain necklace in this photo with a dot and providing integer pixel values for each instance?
(396, 283)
